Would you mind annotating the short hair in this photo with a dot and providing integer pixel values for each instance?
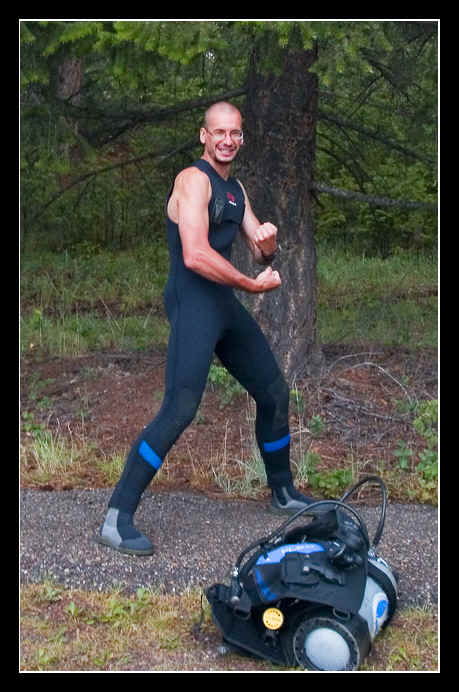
(220, 104)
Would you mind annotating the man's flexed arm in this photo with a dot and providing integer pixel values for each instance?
(192, 194)
(260, 237)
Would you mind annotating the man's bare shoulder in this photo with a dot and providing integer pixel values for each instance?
(191, 190)
(192, 179)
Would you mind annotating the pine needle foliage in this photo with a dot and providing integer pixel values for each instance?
(98, 94)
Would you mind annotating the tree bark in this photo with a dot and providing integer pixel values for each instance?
(276, 167)
(69, 81)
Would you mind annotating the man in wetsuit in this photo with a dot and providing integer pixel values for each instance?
(205, 210)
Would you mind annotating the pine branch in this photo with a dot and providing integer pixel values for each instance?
(346, 124)
(128, 119)
(373, 200)
(163, 155)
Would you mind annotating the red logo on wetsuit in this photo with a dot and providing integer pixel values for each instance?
(231, 199)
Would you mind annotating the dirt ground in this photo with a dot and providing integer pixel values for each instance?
(363, 396)
(364, 399)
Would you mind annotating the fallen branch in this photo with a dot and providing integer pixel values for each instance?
(378, 367)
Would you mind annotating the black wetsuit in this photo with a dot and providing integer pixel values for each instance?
(207, 318)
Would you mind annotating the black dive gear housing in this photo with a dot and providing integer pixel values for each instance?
(314, 596)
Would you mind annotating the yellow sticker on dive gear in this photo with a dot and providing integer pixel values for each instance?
(273, 619)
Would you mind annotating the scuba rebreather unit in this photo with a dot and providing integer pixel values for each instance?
(314, 596)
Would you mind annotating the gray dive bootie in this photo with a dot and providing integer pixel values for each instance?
(287, 500)
(119, 533)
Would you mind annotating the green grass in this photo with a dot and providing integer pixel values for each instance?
(368, 299)
(71, 281)
(73, 630)
(74, 303)
(77, 334)
(88, 300)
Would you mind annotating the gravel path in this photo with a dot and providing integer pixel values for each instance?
(197, 541)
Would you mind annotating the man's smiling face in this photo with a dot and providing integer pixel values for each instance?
(222, 135)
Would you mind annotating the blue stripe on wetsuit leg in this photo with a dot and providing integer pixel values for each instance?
(149, 455)
(278, 444)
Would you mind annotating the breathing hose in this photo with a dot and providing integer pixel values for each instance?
(321, 503)
(382, 518)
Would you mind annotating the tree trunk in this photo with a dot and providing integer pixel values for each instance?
(276, 167)
(68, 79)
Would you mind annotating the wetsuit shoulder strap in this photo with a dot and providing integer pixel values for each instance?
(217, 200)
(205, 167)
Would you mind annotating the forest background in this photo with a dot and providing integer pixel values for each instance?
(109, 113)
(111, 110)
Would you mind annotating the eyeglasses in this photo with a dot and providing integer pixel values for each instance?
(236, 135)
